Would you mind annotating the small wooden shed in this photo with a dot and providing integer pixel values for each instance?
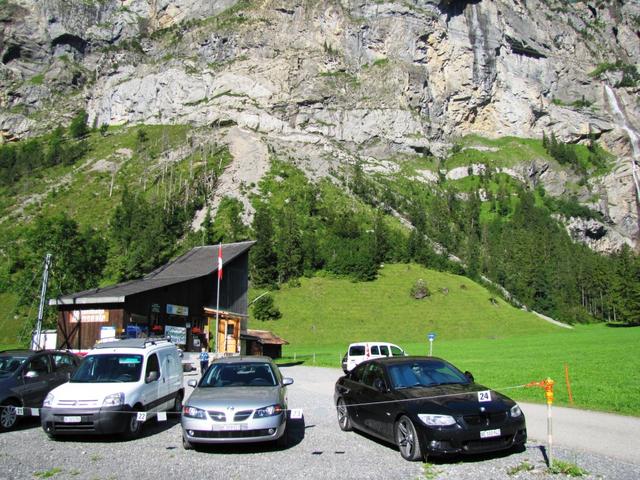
(177, 300)
(264, 342)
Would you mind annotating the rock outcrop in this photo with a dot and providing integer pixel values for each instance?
(335, 82)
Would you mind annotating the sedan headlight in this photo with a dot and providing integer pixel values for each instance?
(515, 411)
(269, 411)
(113, 400)
(193, 412)
(48, 401)
(436, 420)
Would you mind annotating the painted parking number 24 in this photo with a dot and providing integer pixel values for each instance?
(484, 396)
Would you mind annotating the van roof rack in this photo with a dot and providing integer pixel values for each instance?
(133, 343)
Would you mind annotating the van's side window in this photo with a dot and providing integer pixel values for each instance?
(384, 350)
(374, 350)
(356, 350)
(152, 365)
(396, 352)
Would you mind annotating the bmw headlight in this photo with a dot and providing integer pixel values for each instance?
(269, 411)
(48, 402)
(193, 412)
(436, 420)
(515, 411)
(113, 400)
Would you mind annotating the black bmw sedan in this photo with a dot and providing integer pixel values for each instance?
(426, 406)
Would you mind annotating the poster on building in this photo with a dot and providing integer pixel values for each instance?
(178, 335)
(89, 316)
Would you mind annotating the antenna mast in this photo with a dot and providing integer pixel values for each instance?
(35, 342)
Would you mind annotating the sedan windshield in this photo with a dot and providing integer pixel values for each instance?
(239, 375)
(426, 373)
(109, 368)
(9, 363)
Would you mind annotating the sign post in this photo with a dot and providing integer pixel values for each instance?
(431, 337)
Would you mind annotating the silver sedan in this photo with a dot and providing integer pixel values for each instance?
(238, 399)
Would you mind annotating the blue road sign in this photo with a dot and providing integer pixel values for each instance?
(431, 337)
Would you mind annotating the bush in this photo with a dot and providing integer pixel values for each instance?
(265, 309)
(78, 127)
(420, 290)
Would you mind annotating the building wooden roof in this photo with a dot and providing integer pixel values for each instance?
(198, 262)
(266, 337)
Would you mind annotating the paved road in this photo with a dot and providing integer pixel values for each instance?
(616, 436)
(318, 450)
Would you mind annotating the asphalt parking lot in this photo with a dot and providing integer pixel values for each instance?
(318, 449)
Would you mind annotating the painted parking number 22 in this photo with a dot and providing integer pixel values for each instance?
(484, 396)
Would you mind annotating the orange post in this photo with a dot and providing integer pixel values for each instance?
(547, 385)
(566, 377)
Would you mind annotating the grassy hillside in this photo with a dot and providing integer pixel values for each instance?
(504, 347)
(324, 312)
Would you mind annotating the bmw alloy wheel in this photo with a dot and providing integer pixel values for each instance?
(407, 439)
(343, 416)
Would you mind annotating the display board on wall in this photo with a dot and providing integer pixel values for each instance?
(177, 310)
(89, 316)
(178, 334)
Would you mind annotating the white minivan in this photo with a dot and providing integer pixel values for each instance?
(359, 352)
(117, 387)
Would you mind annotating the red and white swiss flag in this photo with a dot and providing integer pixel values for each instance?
(220, 261)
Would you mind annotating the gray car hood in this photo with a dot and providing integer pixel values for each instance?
(238, 397)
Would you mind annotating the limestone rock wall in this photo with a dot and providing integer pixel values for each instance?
(336, 81)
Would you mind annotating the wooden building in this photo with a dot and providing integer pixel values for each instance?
(263, 342)
(176, 300)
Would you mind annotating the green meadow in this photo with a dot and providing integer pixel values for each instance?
(504, 347)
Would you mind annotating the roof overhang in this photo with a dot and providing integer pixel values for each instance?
(85, 300)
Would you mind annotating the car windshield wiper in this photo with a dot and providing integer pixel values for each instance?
(448, 383)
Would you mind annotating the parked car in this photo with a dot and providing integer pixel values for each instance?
(238, 399)
(115, 381)
(362, 351)
(26, 377)
(426, 406)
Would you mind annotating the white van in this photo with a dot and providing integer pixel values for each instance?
(359, 352)
(116, 381)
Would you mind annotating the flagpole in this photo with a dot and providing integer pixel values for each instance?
(218, 298)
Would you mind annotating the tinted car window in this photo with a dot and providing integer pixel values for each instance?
(356, 350)
(374, 350)
(39, 364)
(372, 372)
(9, 363)
(384, 350)
(424, 373)
(240, 375)
(356, 373)
(109, 368)
(61, 360)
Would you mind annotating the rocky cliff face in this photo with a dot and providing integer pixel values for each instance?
(330, 83)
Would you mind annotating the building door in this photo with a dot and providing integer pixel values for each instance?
(228, 335)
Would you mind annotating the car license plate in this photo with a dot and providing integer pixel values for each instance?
(72, 419)
(234, 427)
(490, 433)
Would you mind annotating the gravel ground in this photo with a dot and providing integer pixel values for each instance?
(317, 450)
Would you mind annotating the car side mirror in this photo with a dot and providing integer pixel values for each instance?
(31, 374)
(152, 377)
(469, 376)
(379, 385)
(287, 381)
(192, 383)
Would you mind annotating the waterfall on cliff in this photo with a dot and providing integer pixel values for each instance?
(634, 138)
(483, 58)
